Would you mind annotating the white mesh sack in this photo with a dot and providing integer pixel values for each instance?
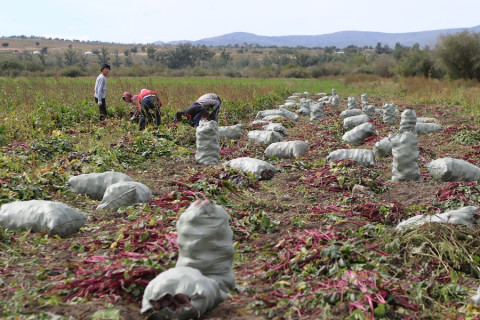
(363, 157)
(277, 112)
(405, 156)
(335, 101)
(464, 215)
(369, 110)
(426, 120)
(304, 102)
(260, 122)
(358, 134)
(303, 111)
(276, 127)
(364, 98)
(324, 99)
(354, 121)
(205, 242)
(265, 137)
(408, 121)
(383, 148)
(94, 184)
(287, 149)
(260, 169)
(274, 118)
(289, 104)
(208, 147)
(426, 128)
(41, 216)
(316, 111)
(231, 132)
(450, 169)
(389, 113)
(181, 293)
(351, 103)
(350, 113)
(125, 194)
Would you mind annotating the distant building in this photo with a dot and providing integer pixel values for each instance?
(88, 53)
(36, 52)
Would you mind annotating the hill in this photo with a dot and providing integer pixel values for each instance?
(340, 39)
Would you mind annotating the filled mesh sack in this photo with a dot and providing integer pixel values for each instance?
(405, 156)
(364, 99)
(383, 148)
(464, 215)
(316, 112)
(450, 169)
(205, 242)
(408, 121)
(264, 137)
(363, 157)
(358, 134)
(41, 216)
(303, 111)
(427, 128)
(276, 112)
(208, 147)
(350, 113)
(260, 169)
(274, 118)
(287, 149)
(354, 121)
(335, 101)
(351, 103)
(125, 194)
(260, 122)
(93, 185)
(389, 114)
(181, 293)
(369, 110)
(231, 132)
(426, 120)
(276, 127)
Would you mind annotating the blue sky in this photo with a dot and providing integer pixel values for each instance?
(146, 21)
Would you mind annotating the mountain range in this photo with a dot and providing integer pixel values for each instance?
(340, 39)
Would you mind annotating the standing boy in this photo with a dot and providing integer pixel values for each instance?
(101, 90)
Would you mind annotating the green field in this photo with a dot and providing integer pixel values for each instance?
(306, 246)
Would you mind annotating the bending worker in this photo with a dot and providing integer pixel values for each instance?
(145, 102)
(207, 106)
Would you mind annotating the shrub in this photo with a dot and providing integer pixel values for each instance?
(72, 72)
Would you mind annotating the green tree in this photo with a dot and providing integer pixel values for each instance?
(151, 53)
(10, 67)
(116, 61)
(103, 56)
(71, 56)
(128, 61)
(42, 55)
(460, 54)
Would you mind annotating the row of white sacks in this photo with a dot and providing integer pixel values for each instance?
(114, 189)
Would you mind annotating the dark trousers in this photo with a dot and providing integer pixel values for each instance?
(149, 105)
(102, 109)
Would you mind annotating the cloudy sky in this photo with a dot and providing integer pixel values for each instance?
(146, 21)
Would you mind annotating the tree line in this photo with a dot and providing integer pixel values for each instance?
(456, 56)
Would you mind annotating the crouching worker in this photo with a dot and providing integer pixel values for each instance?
(146, 103)
(207, 106)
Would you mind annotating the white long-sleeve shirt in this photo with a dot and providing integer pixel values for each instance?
(101, 87)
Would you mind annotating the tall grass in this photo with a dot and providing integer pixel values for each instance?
(29, 106)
